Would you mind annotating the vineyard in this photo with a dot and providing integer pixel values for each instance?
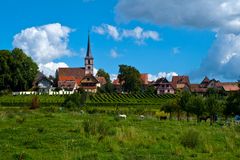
(92, 100)
(20, 101)
(128, 99)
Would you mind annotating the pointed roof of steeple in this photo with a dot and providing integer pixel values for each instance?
(89, 51)
(205, 80)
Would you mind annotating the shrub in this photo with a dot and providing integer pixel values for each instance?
(35, 103)
(75, 101)
(94, 127)
(190, 139)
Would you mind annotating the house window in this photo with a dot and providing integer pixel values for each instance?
(167, 85)
(88, 79)
(89, 67)
(89, 61)
(168, 91)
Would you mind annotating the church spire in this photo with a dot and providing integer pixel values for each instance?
(89, 59)
(89, 51)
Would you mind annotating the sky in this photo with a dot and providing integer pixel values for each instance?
(162, 38)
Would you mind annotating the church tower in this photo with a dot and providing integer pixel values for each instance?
(89, 59)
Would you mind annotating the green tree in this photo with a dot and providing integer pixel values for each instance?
(129, 77)
(197, 106)
(150, 90)
(6, 67)
(182, 101)
(213, 106)
(108, 87)
(170, 107)
(103, 73)
(232, 105)
(17, 70)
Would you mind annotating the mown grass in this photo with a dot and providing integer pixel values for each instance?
(60, 134)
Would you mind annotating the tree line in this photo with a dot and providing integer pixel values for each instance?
(209, 106)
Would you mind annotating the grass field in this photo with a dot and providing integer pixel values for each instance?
(55, 133)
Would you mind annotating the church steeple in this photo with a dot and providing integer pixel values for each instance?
(89, 51)
(89, 58)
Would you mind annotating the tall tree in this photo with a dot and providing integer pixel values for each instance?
(182, 101)
(129, 77)
(197, 106)
(171, 107)
(108, 87)
(103, 73)
(213, 106)
(17, 70)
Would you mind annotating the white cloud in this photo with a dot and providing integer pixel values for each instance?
(167, 75)
(114, 54)
(51, 67)
(113, 76)
(110, 30)
(44, 43)
(223, 60)
(213, 14)
(138, 33)
(95, 70)
(219, 16)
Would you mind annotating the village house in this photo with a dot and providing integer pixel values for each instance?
(181, 83)
(206, 84)
(178, 83)
(163, 86)
(72, 79)
(42, 84)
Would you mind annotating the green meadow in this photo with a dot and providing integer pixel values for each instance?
(98, 133)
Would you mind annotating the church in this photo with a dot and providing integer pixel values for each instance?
(72, 79)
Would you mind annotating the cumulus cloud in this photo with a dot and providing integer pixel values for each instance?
(167, 75)
(51, 67)
(44, 43)
(214, 14)
(223, 60)
(219, 16)
(107, 29)
(138, 33)
(113, 77)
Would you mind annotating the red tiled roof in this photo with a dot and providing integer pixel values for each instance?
(197, 88)
(71, 74)
(102, 80)
(228, 86)
(180, 80)
(116, 82)
(144, 78)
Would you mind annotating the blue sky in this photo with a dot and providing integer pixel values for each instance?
(163, 38)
